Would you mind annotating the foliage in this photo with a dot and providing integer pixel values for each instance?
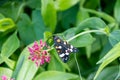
(90, 25)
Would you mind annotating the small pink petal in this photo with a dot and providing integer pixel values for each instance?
(4, 77)
(33, 59)
(44, 52)
(42, 61)
(30, 50)
(37, 63)
(35, 46)
(41, 42)
(47, 58)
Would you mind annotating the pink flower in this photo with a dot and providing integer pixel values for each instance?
(4, 77)
(38, 54)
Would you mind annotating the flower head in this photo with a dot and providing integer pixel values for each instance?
(4, 77)
(38, 54)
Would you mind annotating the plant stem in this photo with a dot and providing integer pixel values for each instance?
(105, 16)
(82, 3)
(78, 67)
(90, 31)
(50, 49)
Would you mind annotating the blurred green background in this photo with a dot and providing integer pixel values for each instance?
(24, 21)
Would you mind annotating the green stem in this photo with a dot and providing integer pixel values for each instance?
(78, 67)
(50, 49)
(90, 31)
(105, 16)
(82, 3)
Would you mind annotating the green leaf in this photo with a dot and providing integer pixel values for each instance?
(88, 51)
(1, 16)
(1, 59)
(31, 30)
(92, 4)
(6, 24)
(65, 4)
(56, 63)
(82, 40)
(117, 10)
(109, 73)
(49, 14)
(55, 75)
(92, 23)
(69, 33)
(2, 40)
(105, 49)
(2, 2)
(99, 43)
(68, 17)
(114, 37)
(11, 9)
(34, 4)
(27, 71)
(47, 35)
(25, 68)
(10, 63)
(5, 71)
(9, 47)
(113, 54)
(81, 15)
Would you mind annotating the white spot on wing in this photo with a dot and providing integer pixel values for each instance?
(62, 55)
(65, 43)
(60, 47)
(71, 50)
(67, 53)
(71, 46)
(66, 50)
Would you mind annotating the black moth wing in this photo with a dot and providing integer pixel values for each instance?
(63, 48)
(60, 48)
(71, 49)
(62, 54)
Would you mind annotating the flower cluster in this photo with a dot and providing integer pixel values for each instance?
(38, 54)
(4, 77)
